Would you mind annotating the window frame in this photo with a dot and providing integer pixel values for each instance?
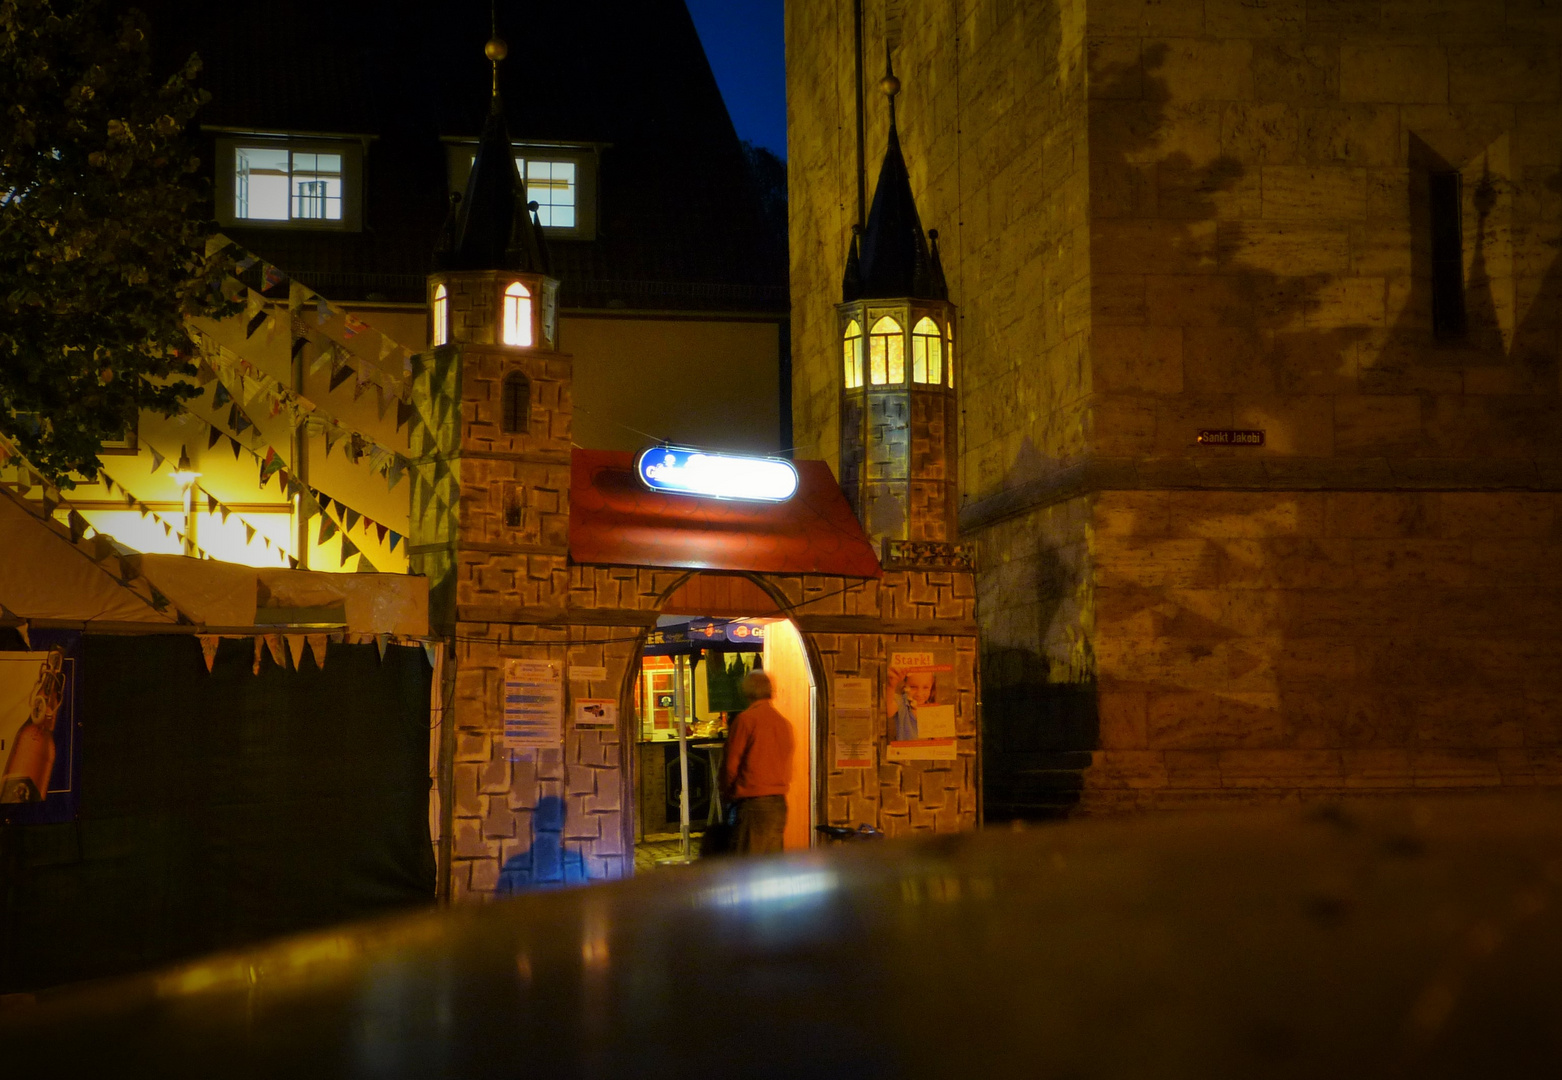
(876, 335)
(585, 156)
(439, 316)
(852, 355)
(525, 305)
(350, 147)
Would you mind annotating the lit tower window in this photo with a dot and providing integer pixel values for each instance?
(887, 353)
(853, 353)
(517, 315)
(927, 360)
(441, 313)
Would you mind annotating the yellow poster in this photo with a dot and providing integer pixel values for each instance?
(920, 702)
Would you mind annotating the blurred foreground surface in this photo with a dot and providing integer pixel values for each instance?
(1375, 940)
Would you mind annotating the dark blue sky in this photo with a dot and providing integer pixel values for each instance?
(743, 41)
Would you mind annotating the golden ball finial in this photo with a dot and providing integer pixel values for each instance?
(496, 50)
(890, 85)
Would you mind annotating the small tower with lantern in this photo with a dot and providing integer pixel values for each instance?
(490, 498)
(896, 325)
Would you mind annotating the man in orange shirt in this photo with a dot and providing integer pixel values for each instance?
(757, 770)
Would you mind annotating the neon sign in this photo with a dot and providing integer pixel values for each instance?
(678, 470)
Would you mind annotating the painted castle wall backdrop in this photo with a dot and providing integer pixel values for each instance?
(1164, 217)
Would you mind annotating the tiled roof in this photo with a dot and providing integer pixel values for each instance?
(679, 225)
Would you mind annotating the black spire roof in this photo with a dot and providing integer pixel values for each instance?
(895, 260)
(491, 227)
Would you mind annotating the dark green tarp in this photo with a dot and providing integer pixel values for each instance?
(219, 809)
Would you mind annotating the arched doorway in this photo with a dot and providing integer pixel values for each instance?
(712, 628)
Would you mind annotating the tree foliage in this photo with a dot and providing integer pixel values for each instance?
(102, 230)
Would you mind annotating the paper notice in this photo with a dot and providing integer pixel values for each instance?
(533, 704)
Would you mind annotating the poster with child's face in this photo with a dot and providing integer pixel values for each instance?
(920, 701)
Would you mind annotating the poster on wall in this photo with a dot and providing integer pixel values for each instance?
(596, 713)
(40, 759)
(919, 703)
(532, 701)
(854, 723)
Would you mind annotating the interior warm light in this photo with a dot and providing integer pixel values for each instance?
(681, 471)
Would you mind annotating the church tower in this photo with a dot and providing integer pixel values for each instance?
(896, 326)
(490, 500)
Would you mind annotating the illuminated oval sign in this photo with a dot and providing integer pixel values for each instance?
(678, 470)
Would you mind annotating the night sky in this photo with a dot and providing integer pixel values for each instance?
(743, 40)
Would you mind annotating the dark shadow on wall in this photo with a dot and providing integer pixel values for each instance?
(549, 863)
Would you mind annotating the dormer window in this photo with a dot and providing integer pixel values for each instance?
(561, 178)
(291, 182)
(440, 311)
(517, 324)
(887, 353)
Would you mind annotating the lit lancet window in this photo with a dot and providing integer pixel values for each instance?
(853, 354)
(441, 315)
(950, 353)
(887, 353)
(927, 353)
(517, 315)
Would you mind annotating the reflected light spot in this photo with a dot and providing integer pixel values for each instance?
(772, 889)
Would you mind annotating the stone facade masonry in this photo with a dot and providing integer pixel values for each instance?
(1166, 216)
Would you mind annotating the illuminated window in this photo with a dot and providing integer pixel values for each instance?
(441, 315)
(927, 353)
(551, 185)
(949, 352)
(277, 184)
(886, 353)
(283, 181)
(515, 404)
(853, 351)
(517, 315)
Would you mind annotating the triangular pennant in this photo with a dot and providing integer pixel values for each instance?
(25, 633)
(327, 529)
(157, 460)
(77, 525)
(317, 645)
(349, 549)
(350, 520)
(428, 651)
(212, 436)
(274, 647)
(333, 435)
(159, 601)
(249, 533)
(211, 503)
(259, 649)
(380, 642)
(254, 323)
(395, 538)
(339, 376)
(292, 563)
(353, 326)
(271, 278)
(209, 643)
(379, 531)
(235, 444)
(295, 646)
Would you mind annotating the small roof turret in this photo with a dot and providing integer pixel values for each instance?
(895, 260)
(493, 227)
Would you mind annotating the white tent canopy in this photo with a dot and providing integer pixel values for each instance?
(46, 576)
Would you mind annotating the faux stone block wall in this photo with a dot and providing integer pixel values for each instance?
(520, 821)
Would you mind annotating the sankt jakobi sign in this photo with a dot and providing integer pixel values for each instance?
(678, 470)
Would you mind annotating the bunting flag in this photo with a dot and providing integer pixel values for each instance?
(349, 549)
(274, 647)
(254, 323)
(327, 530)
(259, 648)
(25, 633)
(209, 643)
(212, 437)
(317, 645)
(295, 646)
(157, 460)
(382, 640)
(353, 326)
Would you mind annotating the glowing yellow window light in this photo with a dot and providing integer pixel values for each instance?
(441, 315)
(887, 353)
(853, 351)
(927, 353)
(950, 343)
(517, 315)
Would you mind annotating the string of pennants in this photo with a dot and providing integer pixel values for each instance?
(134, 503)
(311, 501)
(288, 649)
(353, 348)
(91, 542)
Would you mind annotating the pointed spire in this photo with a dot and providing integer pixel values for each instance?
(894, 259)
(488, 228)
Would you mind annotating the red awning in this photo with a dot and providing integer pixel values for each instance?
(614, 520)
